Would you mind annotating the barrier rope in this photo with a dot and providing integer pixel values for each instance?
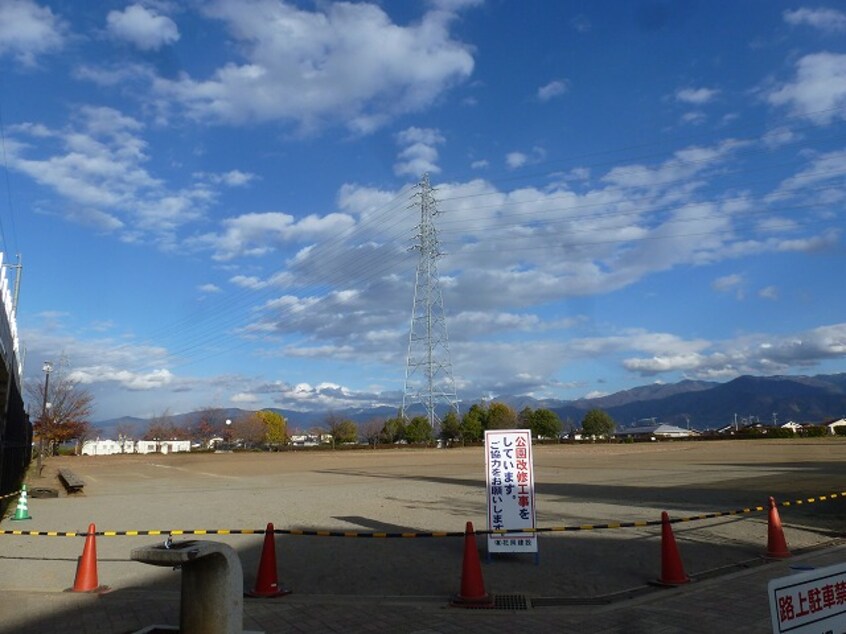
(415, 535)
(10, 495)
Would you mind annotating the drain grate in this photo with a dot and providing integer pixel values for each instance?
(510, 602)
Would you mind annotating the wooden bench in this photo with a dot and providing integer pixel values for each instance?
(73, 483)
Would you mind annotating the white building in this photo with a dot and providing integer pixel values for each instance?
(105, 447)
(792, 426)
(660, 430)
(840, 422)
(162, 446)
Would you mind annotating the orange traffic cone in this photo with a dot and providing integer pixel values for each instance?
(776, 544)
(672, 569)
(267, 583)
(86, 566)
(472, 593)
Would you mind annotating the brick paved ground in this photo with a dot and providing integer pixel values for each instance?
(734, 602)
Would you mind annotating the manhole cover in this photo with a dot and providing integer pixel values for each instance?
(43, 492)
(510, 602)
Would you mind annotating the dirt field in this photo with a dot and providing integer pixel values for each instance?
(432, 490)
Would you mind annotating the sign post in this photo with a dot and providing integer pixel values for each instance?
(510, 490)
(809, 602)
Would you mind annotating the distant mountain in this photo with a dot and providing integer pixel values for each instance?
(779, 398)
(653, 392)
(699, 404)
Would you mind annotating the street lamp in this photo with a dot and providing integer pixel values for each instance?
(48, 368)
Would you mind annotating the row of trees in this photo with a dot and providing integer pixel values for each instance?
(264, 428)
(471, 427)
(69, 406)
(268, 428)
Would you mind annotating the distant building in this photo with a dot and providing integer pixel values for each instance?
(834, 424)
(105, 447)
(792, 426)
(162, 446)
(655, 431)
(311, 440)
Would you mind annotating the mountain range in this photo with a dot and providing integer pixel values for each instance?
(695, 404)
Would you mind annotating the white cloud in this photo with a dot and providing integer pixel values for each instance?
(28, 30)
(727, 283)
(825, 168)
(480, 164)
(113, 75)
(142, 27)
(778, 137)
(768, 292)
(346, 62)
(694, 117)
(455, 5)
(828, 20)
(420, 153)
(255, 234)
(209, 288)
(466, 324)
(96, 165)
(232, 178)
(321, 397)
(753, 354)
(244, 398)
(696, 96)
(828, 239)
(516, 159)
(102, 159)
(818, 91)
(679, 170)
(553, 89)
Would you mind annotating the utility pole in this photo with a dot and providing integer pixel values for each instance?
(428, 369)
(48, 368)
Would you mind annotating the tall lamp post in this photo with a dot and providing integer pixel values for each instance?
(48, 368)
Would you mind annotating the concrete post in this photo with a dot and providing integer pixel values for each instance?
(212, 584)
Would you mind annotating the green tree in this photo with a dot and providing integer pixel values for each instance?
(341, 429)
(545, 423)
(524, 418)
(275, 428)
(346, 432)
(598, 423)
(418, 430)
(393, 430)
(473, 423)
(450, 428)
(501, 416)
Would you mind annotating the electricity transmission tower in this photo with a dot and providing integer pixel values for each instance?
(428, 370)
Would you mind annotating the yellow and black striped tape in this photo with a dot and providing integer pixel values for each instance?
(10, 495)
(414, 535)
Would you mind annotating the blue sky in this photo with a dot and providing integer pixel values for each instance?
(213, 200)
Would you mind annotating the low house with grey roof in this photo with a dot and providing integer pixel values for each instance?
(657, 431)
